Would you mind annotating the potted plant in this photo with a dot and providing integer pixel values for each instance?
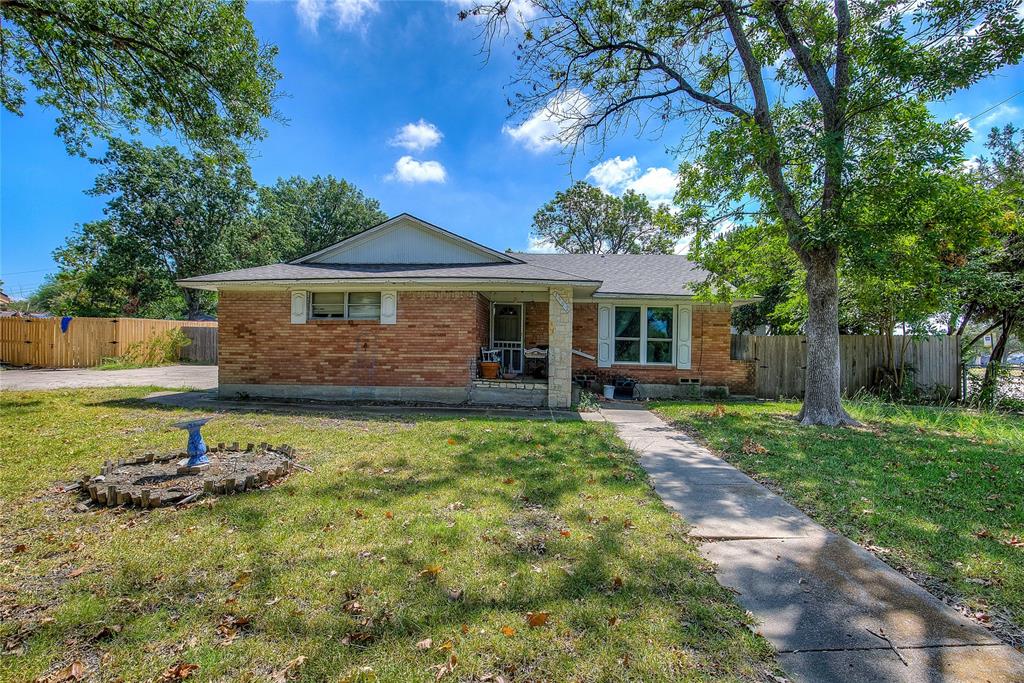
(489, 369)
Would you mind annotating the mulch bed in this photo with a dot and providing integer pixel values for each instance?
(153, 480)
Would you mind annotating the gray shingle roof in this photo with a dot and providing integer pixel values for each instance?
(639, 274)
(619, 274)
(287, 272)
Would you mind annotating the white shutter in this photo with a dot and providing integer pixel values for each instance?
(388, 308)
(605, 334)
(298, 308)
(684, 328)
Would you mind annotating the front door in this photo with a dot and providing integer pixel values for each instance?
(507, 335)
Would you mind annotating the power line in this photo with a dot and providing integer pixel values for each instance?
(997, 104)
(22, 272)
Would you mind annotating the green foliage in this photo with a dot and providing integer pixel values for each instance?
(163, 348)
(296, 216)
(169, 216)
(193, 67)
(588, 402)
(585, 220)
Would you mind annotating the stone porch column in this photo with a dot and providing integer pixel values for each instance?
(559, 347)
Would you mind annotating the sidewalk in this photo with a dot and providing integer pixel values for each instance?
(833, 611)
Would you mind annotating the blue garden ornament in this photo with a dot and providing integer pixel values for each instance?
(196, 446)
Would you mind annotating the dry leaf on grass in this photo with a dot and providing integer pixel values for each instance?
(288, 670)
(751, 447)
(20, 548)
(75, 671)
(617, 582)
(242, 581)
(425, 644)
(565, 533)
(430, 572)
(389, 515)
(508, 631)
(177, 672)
(442, 670)
(537, 619)
(508, 480)
(77, 572)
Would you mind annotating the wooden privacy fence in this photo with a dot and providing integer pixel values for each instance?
(780, 363)
(42, 343)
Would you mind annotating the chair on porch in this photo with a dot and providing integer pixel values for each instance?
(490, 355)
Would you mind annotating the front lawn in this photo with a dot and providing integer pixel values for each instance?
(939, 491)
(416, 549)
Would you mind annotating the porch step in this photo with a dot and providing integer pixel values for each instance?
(500, 392)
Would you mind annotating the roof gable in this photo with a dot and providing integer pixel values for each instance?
(406, 239)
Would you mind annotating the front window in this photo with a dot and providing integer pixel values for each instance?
(644, 334)
(627, 334)
(345, 305)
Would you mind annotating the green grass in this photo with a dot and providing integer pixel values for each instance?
(939, 491)
(328, 565)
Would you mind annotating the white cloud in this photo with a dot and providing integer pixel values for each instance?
(554, 125)
(347, 14)
(410, 170)
(1001, 113)
(540, 246)
(417, 137)
(659, 184)
(963, 120)
(616, 175)
(611, 175)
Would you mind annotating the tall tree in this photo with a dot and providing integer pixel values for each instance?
(586, 220)
(300, 216)
(775, 91)
(191, 66)
(989, 287)
(169, 216)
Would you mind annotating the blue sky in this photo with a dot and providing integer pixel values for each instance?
(394, 97)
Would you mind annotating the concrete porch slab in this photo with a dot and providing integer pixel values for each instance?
(826, 592)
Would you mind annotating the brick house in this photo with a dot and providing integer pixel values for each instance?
(403, 311)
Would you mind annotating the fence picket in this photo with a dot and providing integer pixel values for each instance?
(780, 363)
(87, 341)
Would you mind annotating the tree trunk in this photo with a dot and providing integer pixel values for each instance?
(988, 390)
(193, 304)
(822, 405)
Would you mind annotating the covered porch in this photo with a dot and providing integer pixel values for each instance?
(529, 336)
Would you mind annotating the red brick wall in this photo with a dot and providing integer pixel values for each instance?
(535, 327)
(709, 355)
(434, 343)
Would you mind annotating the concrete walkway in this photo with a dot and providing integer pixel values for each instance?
(194, 376)
(833, 611)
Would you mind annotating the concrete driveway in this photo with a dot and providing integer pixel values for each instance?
(171, 376)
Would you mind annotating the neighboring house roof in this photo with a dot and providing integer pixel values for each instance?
(410, 240)
(4, 299)
(628, 274)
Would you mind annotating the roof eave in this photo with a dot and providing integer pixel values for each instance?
(214, 285)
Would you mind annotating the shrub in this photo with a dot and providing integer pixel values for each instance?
(160, 349)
